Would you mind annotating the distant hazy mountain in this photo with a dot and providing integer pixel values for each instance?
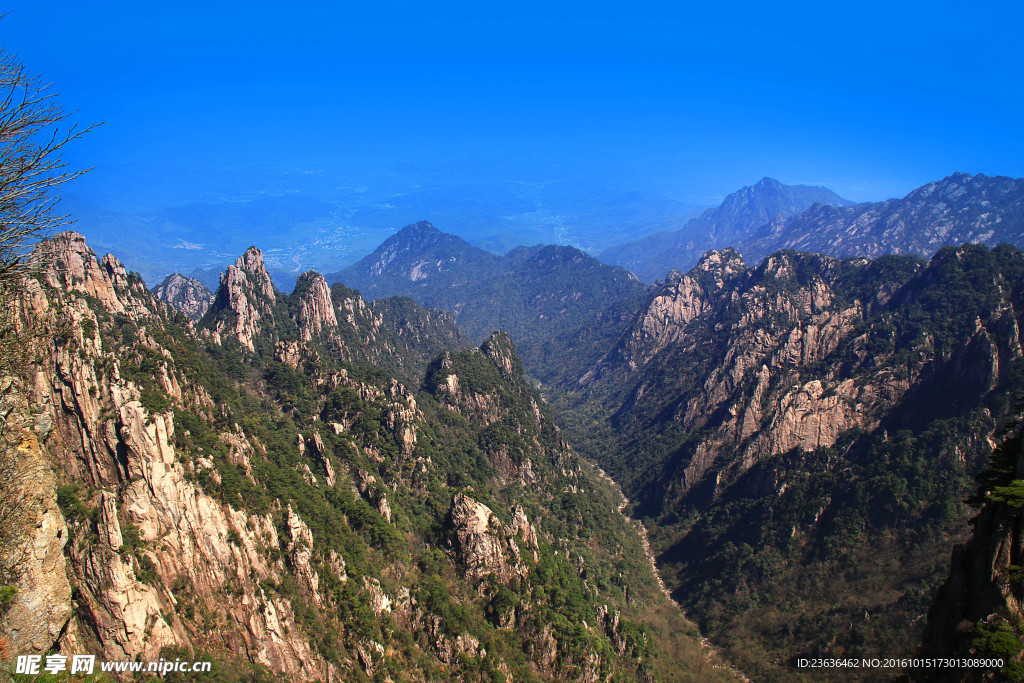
(422, 262)
(557, 303)
(345, 221)
(958, 209)
(730, 224)
(206, 236)
(955, 210)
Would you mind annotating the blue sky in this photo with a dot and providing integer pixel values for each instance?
(689, 100)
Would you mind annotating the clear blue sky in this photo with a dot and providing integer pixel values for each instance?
(688, 99)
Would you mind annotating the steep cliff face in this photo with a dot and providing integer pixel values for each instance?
(245, 300)
(487, 545)
(148, 547)
(33, 530)
(186, 294)
(315, 309)
(978, 612)
(763, 419)
(317, 519)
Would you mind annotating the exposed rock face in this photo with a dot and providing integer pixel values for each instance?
(746, 347)
(245, 298)
(679, 301)
(103, 438)
(522, 529)
(261, 513)
(779, 324)
(186, 294)
(42, 605)
(483, 543)
(982, 596)
(736, 392)
(75, 267)
(316, 310)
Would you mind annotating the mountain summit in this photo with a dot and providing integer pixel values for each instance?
(961, 208)
(420, 254)
(536, 294)
(761, 219)
(736, 219)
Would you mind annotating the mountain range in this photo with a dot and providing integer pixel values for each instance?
(559, 304)
(313, 224)
(769, 216)
(310, 487)
(808, 416)
(732, 223)
(444, 463)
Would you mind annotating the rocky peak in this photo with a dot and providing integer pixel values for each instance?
(246, 292)
(766, 183)
(680, 300)
(500, 349)
(722, 263)
(483, 543)
(315, 313)
(251, 262)
(420, 229)
(186, 294)
(74, 267)
(752, 207)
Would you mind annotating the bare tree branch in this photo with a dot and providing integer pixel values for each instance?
(31, 165)
(31, 169)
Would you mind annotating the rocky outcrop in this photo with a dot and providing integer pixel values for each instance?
(782, 356)
(678, 302)
(800, 390)
(315, 313)
(32, 530)
(74, 267)
(978, 612)
(186, 294)
(164, 546)
(483, 543)
(245, 300)
(286, 515)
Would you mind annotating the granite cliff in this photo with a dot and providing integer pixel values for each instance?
(187, 294)
(258, 490)
(807, 416)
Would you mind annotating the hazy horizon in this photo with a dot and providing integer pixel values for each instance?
(572, 124)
